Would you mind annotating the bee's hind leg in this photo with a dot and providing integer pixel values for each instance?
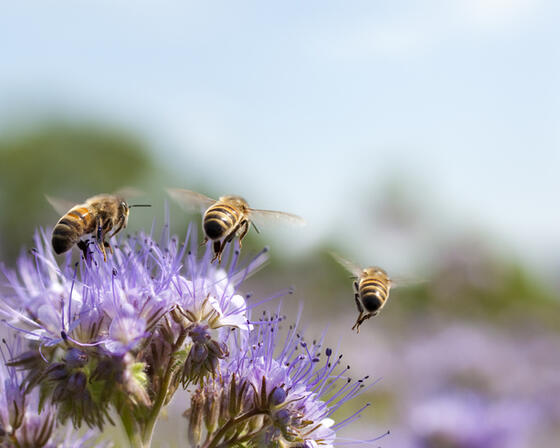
(361, 318)
(218, 247)
(359, 321)
(83, 246)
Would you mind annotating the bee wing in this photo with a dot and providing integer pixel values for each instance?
(273, 215)
(190, 200)
(406, 281)
(128, 192)
(351, 267)
(60, 205)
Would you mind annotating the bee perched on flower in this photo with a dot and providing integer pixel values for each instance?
(117, 338)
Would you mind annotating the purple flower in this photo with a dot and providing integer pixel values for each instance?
(87, 302)
(468, 420)
(125, 333)
(274, 392)
(107, 331)
(22, 422)
(209, 294)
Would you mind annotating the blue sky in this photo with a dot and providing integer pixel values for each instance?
(312, 107)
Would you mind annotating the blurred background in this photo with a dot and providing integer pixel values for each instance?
(419, 136)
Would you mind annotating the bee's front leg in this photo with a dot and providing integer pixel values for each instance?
(100, 238)
(108, 244)
(358, 303)
(360, 318)
(244, 230)
(120, 225)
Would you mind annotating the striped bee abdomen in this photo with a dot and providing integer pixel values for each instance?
(219, 220)
(373, 293)
(70, 228)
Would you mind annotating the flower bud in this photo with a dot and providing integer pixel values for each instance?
(75, 358)
(57, 371)
(278, 396)
(77, 382)
(198, 353)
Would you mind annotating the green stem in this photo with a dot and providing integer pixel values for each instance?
(148, 430)
(229, 425)
(136, 441)
(131, 429)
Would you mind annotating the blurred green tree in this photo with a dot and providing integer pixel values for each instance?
(67, 161)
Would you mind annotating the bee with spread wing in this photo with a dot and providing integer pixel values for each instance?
(225, 218)
(103, 215)
(371, 289)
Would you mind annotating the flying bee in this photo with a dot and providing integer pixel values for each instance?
(225, 218)
(103, 215)
(371, 289)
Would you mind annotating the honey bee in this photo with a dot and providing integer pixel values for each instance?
(371, 289)
(103, 215)
(225, 218)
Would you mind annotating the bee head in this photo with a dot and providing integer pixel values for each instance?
(124, 209)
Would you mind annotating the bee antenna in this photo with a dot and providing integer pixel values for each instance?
(139, 205)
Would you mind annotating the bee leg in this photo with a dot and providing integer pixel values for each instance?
(358, 303)
(204, 242)
(83, 246)
(118, 228)
(102, 247)
(217, 251)
(100, 238)
(359, 321)
(360, 318)
(108, 244)
(244, 230)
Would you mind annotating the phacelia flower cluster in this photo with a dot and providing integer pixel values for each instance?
(117, 338)
(276, 391)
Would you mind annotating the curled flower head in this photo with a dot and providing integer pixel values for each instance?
(22, 421)
(275, 392)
